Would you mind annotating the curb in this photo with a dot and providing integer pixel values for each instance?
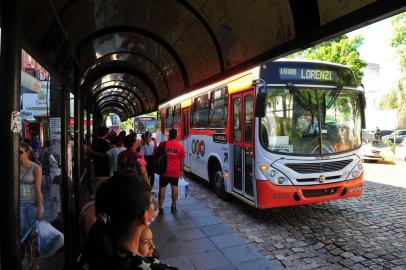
(390, 162)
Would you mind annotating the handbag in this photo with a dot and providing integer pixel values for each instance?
(50, 240)
(162, 161)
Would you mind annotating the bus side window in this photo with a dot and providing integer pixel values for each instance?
(200, 111)
(237, 119)
(248, 118)
(218, 109)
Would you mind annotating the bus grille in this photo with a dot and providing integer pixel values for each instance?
(319, 192)
(319, 167)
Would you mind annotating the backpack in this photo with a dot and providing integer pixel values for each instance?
(161, 161)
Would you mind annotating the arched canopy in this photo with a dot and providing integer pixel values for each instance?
(165, 48)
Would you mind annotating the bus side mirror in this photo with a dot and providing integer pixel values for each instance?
(363, 105)
(260, 105)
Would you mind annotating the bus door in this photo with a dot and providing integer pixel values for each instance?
(242, 141)
(185, 127)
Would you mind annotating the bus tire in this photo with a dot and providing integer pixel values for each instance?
(219, 187)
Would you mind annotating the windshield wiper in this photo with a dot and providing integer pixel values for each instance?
(338, 90)
(299, 97)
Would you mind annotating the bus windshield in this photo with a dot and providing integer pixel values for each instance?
(311, 121)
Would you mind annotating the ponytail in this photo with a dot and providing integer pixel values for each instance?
(99, 249)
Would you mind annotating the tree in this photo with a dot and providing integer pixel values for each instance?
(127, 125)
(398, 40)
(397, 97)
(340, 50)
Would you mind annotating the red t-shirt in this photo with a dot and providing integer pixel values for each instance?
(174, 154)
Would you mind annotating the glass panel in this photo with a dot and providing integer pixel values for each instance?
(169, 118)
(237, 167)
(218, 109)
(237, 119)
(176, 116)
(248, 118)
(200, 111)
(249, 176)
(292, 125)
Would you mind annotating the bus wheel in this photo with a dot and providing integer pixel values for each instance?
(219, 187)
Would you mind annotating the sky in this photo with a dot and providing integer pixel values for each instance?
(376, 46)
(376, 49)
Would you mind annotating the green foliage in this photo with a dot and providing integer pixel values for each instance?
(398, 40)
(340, 50)
(126, 125)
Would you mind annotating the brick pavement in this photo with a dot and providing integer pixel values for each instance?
(358, 233)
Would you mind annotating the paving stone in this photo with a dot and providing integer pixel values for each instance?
(227, 240)
(298, 249)
(346, 262)
(259, 264)
(368, 231)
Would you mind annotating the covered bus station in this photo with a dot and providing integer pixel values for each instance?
(127, 57)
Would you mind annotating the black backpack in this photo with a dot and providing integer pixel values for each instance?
(161, 160)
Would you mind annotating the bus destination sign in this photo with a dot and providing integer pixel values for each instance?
(309, 74)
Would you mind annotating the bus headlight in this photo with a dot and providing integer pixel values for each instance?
(275, 176)
(356, 171)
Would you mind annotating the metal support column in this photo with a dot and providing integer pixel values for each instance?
(66, 182)
(77, 156)
(10, 89)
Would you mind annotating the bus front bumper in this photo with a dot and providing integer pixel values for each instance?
(270, 196)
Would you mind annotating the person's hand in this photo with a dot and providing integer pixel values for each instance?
(40, 213)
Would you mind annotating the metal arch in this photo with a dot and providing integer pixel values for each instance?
(123, 93)
(137, 94)
(120, 105)
(130, 107)
(206, 26)
(136, 54)
(115, 97)
(96, 94)
(118, 67)
(134, 107)
(140, 31)
(93, 92)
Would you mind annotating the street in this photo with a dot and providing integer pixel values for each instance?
(359, 233)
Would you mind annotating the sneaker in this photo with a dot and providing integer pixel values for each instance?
(173, 208)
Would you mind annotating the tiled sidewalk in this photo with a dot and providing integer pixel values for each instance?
(193, 238)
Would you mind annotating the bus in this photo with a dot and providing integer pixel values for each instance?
(145, 123)
(285, 133)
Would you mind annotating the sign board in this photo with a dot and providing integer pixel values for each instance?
(35, 104)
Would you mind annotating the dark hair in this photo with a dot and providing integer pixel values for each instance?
(122, 134)
(116, 140)
(25, 145)
(129, 140)
(121, 202)
(103, 131)
(172, 134)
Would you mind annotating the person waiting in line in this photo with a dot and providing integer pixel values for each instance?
(112, 154)
(174, 169)
(124, 210)
(148, 150)
(122, 135)
(31, 207)
(131, 160)
(101, 145)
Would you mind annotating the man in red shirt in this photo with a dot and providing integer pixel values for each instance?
(174, 169)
